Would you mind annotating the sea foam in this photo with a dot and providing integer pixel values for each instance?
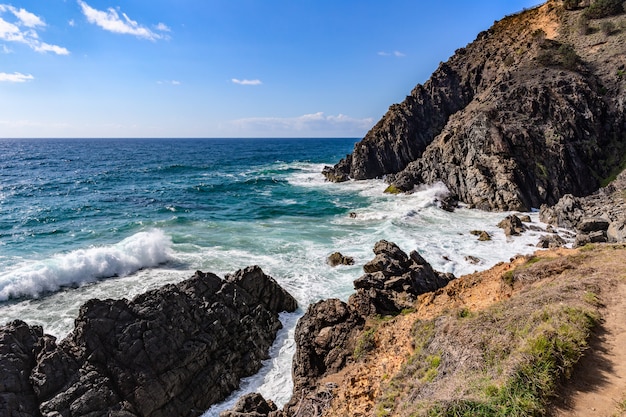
(83, 266)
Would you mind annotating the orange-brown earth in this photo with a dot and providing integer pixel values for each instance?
(594, 276)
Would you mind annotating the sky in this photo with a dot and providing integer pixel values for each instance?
(222, 68)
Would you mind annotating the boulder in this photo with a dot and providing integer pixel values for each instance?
(512, 225)
(336, 258)
(593, 224)
(551, 241)
(173, 351)
(251, 405)
(19, 345)
(393, 281)
(617, 231)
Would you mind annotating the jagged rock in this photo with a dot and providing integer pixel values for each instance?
(512, 225)
(604, 211)
(504, 131)
(174, 351)
(551, 241)
(588, 225)
(324, 341)
(525, 218)
(251, 405)
(617, 231)
(393, 281)
(472, 259)
(482, 235)
(336, 258)
(19, 344)
(567, 212)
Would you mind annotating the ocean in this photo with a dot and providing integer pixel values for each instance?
(112, 218)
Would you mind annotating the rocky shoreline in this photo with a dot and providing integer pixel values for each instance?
(518, 118)
(174, 351)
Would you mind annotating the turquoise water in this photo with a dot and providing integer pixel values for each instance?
(112, 218)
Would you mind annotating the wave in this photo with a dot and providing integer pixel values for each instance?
(83, 266)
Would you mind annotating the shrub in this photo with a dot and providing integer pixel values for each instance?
(583, 25)
(604, 8)
(571, 4)
(607, 27)
(569, 58)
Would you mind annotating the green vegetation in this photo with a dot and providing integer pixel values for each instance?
(504, 361)
(607, 28)
(583, 25)
(365, 343)
(604, 8)
(392, 189)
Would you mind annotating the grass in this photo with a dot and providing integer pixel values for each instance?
(366, 343)
(506, 360)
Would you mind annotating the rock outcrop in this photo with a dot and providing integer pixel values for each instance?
(520, 117)
(599, 217)
(326, 336)
(174, 351)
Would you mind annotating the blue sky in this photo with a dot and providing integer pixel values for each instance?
(229, 68)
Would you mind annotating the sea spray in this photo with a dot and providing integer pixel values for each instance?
(83, 266)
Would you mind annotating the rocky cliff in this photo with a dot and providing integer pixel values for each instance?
(328, 335)
(532, 110)
(174, 351)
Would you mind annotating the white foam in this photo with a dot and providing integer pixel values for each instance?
(32, 279)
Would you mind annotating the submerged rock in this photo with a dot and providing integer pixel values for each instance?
(174, 351)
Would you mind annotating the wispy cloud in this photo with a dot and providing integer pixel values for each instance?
(397, 54)
(162, 27)
(246, 82)
(6, 50)
(170, 82)
(22, 28)
(16, 77)
(314, 124)
(111, 21)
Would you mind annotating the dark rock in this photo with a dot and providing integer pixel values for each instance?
(448, 203)
(337, 258)
(588, 225)
(251, 405)
(604, 210)
(502, 131)
(472, 259)
(512, 225)
(393, 281)
(525, 218)
(174, 351)
(482, 235)
(551, 241)
(19, 344)
(324, 339)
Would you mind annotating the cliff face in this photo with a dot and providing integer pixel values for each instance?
(531, 110)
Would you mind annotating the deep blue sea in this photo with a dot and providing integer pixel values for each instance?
(85, 218)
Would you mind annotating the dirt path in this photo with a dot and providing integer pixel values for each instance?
(598, 384)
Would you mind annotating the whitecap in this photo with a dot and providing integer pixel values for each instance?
(83, 266)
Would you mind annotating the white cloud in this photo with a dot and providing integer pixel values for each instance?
(397, 54)
(27, 18)
(16, 77)
(23, 29)
(172, 82)
(162, 27)
(6, 50)
(71, 22)
(111, 21)
(246, 82)
(311, 125)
